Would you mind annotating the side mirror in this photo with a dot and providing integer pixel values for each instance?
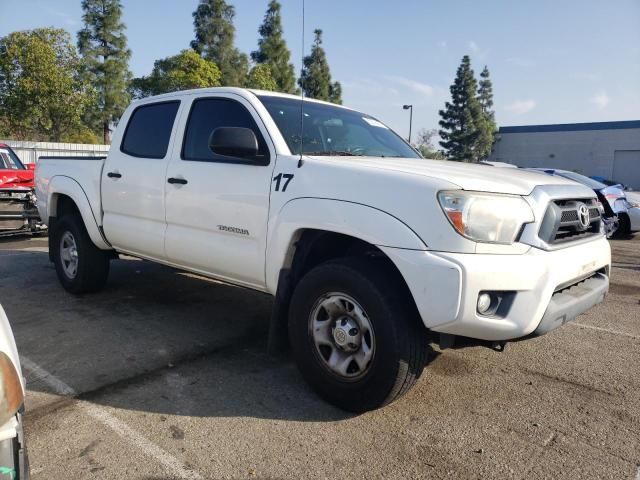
(30, 166)
(234, 142)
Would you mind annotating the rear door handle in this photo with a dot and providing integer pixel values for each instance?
(114, 175)
(179, 181)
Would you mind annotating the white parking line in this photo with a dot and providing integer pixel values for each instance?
(608, 330)
(168, 461)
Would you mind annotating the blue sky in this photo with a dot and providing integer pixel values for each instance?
(550, 61)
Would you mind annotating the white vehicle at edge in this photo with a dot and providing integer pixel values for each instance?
(633, 199)
(13, 456)
(370, 251)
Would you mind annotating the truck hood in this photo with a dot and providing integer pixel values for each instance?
(481, 178)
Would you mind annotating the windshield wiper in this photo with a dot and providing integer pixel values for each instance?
(335, 153)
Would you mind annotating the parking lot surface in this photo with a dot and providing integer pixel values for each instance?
(165, 375)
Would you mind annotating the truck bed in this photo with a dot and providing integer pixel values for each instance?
(85, 171)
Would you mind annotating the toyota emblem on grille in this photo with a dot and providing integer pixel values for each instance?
(583, 216)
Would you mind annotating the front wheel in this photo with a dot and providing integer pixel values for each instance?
(355, 334)
(81, 266)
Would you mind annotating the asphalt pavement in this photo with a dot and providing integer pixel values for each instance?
(165, 375)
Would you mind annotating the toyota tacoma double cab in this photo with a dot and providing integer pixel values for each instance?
(371, 252)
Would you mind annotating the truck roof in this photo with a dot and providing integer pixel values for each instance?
(236, 90)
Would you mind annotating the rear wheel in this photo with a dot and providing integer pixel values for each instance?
(355, 334)
(81, 266)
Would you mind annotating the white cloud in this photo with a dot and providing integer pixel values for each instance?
(442, 44)
(418, 87)
(473, 46)
(600, 99)
(520, 107)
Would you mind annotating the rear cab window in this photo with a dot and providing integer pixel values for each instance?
(149, 130)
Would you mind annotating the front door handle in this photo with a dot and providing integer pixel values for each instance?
(179, 181)
(114, 175)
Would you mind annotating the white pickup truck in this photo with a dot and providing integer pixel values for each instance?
(370, 250)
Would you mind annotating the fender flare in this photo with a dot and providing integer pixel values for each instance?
(364, 222)
(63, 185)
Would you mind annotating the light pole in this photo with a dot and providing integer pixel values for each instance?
(410, 108)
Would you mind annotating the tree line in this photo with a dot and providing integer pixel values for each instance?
(53, 90)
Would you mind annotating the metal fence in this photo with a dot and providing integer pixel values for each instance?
(29, 152)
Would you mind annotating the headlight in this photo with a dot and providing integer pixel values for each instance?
(11, 395)
(485, 217)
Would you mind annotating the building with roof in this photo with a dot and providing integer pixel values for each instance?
(607, 149)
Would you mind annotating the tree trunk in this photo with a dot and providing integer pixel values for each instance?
(106, 133)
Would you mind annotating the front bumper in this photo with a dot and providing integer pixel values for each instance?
(445, 287)
(568, 303)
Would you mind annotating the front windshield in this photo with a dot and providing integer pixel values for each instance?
(9, 160)
(330, 130)
(576, 177)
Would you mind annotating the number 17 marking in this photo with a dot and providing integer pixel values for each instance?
(278, 178)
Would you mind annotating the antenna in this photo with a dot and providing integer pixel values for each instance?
(300, 161)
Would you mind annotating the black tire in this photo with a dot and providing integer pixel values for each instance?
(624, 226)
(401, 344)
(92, 263)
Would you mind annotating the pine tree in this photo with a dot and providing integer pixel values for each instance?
(315, 80)
(485, 93)
(461, 116)
(103, 45)
(273, 51)
(214, 30)
(487, 127)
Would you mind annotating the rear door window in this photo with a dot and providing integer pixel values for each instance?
(149, 130)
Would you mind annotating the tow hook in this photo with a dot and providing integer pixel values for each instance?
(498, 346)
(446, 340)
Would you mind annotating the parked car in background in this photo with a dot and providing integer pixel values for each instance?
(633, 200)
(498, 164)
(633, 210)
(14, 173)
(13, 453)
(18, 206)
(610, 183)
(621, 216)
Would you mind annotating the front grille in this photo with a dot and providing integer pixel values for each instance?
(564, 221)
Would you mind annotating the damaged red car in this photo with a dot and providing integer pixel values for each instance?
(18, 208)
